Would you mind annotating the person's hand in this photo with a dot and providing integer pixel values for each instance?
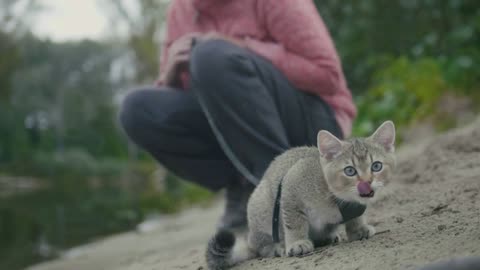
(216, 35)
(178, 54)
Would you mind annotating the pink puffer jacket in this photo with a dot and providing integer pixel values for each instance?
(289, 33)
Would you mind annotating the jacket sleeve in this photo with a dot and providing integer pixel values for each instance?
(171, 26)
(301, 48)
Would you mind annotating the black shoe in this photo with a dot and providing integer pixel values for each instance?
(235, 216)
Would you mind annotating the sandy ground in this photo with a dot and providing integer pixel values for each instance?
(430, 212)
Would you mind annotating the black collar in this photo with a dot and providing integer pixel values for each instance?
(349, 209)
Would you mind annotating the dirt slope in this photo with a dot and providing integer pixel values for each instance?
(431, 210)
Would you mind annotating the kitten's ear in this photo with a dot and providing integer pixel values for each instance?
(328, 145)
(385, 136)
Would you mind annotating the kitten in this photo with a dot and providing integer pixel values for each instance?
(307, 192)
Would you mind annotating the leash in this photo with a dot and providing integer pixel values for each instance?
(349, 210)
(276, 214)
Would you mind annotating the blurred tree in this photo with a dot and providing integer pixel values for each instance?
(64, 89)
(68, 85)
(58, 128)
(8, 62)
(142, 24)
(14, 15)
(369, 32)
(138, 27)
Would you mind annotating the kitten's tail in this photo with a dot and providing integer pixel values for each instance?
(221, 254)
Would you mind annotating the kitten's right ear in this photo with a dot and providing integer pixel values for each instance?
(328, 145)
(385, 136)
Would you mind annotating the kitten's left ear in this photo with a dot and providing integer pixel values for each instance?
(385, 136)
(328, 145)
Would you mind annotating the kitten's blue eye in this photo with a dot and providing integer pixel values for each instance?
(350, 171)
(377, 166)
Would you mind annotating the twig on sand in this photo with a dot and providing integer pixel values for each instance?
(382, 232)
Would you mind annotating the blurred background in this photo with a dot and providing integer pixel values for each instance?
(68, 175)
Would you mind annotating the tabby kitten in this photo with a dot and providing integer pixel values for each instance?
(307, 192)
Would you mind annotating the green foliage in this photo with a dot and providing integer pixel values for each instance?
(178, 195)
(367, 31)
(76, 164)
(401, 56)
(403, 91)
(406, 91)
(143, 29)
(9, 61)
(79, 107)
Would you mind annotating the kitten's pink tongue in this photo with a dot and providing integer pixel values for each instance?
(365, 189)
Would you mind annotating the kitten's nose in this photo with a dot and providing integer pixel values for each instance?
(365, 189)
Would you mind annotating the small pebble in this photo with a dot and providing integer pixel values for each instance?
(441, 227)
(399, 219)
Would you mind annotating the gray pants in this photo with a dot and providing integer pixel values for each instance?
(239, 114)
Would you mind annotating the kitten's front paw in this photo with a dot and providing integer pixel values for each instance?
(278, 251)
(363, 232)
(300, 247)
(330, 240)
